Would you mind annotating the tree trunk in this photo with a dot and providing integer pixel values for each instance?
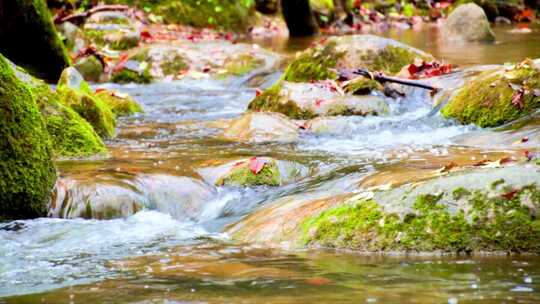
(299, 18)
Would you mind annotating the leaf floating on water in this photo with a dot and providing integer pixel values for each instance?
(256, 164)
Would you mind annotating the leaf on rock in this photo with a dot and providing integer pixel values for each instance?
(256, 164)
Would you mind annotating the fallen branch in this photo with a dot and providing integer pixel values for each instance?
(80, 17)
(380, 77)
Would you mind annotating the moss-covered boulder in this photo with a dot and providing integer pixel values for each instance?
(310, 100)
(120, 103)
(78, 95)
(477, 210)
(90, 68)
(261, 127)
(133, 71)
(113, 29)
(467, 23)
(496, 214)
(355, 51)
(71, 135)
(29, 38)
(497, 96)
(27, 173)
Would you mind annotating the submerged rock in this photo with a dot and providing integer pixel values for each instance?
(468, 23)
(480, 210)
(29, 38)
(309, 100)
(77, 94)
(497, 96)
(27, 173)
(262, 127)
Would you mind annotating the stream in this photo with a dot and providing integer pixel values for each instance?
(171, 252)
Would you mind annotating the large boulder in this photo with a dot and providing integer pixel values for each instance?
(497, 96)
(351, 52)
(27, 173)
(309, 100)
(476, 210)
(28, 37)
(468, 23)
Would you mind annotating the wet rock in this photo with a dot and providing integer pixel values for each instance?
(27, 173)
(497, 96)
(262, 127)
(107, 197)
(475, 210)
(90, 68)
(74, 37)
(350, 52)
(133, 72)
(29, 38)
(78, 95)
(482, 210)
(114, 29)
(253, 171)
(120, 103)
(309, 100)
(468, 23)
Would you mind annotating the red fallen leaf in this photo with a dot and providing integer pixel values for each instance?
(517, 98)
(256, 164)
(318, 102)
(524, 139)
(303, 126)
(526, 14)
(237, 164)
(510, 194)
(100, 90)
(145, 35)
(428, 69)
(482, 163)
(206, 69)
(531, 155)
(318, 281)
(258, 92)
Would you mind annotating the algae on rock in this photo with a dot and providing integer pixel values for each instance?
(27, 173)
(242, 175)
(120, 104)
(490, 99)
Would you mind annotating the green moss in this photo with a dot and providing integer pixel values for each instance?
(243, 176)
(128, 76)
(487, 100)
(174, 66)
(242, 64)
(118, 42)
(314, 64)
(390, 59)
(29, 38)
(90, 67)
(460, 193)
(92, 109)
(27, 173)
(363, 86)
(271, 101)
(121, 106)
(493, 223)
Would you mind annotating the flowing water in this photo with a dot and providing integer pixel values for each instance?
(173, 252)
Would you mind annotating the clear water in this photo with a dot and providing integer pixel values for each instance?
(160, 257)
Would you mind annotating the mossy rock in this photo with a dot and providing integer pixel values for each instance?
(90, 68)
(135, 72)
(71, 135)
(242, 176)
(500, 217)
(78, 95)
(121, 104)
(350, 52)
(113, 29)
(27, 173)
(310, 100)
(241, 64)
(487, 100)
(28, 37)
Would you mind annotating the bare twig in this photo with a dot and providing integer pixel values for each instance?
(380, 77)
(79, 17)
